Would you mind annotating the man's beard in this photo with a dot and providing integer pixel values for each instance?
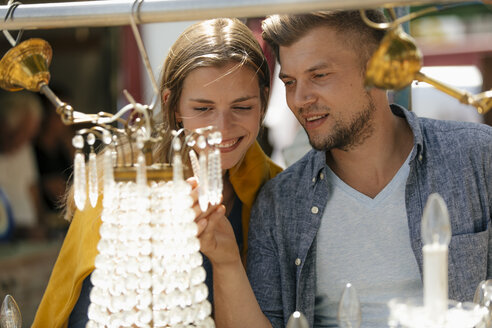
(346, 136)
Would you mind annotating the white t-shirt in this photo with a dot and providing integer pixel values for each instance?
(365, 241)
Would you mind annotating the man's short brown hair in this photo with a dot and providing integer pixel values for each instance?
(284, 30)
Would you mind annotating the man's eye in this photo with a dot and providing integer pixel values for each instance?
(242, 107)
(202, 109)
(320, 75)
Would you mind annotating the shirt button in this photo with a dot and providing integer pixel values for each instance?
(314, 210)
(321, 176)
(298, 261)
(314, 180)
(421, 157)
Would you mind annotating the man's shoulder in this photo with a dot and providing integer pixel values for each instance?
(455, 134)
(293, 176)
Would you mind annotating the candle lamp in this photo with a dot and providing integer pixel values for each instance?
(435, 310)
(10, 316)
(297, 320)
(349, 313)
(436, 235)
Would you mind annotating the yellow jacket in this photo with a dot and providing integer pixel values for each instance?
(76, 259)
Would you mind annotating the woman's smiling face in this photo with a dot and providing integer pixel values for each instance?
(227, 97)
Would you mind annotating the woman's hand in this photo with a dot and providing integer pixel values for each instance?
(215, 233)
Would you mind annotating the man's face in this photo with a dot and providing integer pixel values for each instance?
(324, 88)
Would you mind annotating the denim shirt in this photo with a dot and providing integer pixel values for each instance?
(453, 159)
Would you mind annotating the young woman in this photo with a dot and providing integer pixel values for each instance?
(214, 74)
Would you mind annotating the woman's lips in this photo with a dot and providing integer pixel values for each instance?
(229, 144)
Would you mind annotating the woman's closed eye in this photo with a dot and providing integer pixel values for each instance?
(243, 107)
(202, 108)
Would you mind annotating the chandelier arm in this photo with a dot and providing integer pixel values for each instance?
(378, 26)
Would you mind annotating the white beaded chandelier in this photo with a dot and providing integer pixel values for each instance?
(148, 272)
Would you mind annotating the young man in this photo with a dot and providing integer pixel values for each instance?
(350, 210)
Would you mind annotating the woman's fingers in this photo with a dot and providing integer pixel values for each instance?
(203, 219)
(217, 240)
(207, 225)
(201, 224)
(193, 181)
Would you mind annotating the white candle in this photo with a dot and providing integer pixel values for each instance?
(436, 235)
(436, 279)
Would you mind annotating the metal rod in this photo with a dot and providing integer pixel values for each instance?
(117, 12)
(463, 96)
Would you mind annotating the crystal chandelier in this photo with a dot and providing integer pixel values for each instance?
(148, 246)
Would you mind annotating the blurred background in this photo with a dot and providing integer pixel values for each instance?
(91, 67)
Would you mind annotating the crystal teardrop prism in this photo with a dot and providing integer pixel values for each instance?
(79, 180)
(93, 183)
(141, 173)
(215, 176)
(203, 184)
(194, 164)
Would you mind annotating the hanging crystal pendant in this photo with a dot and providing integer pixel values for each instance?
(93, 183)
(203, 168)
(215, 176)
(108, 176)
(203, 185)
(79, 175)
(177, 162)
(141, 166)
(93, 188)
(141, 173)
(108, 164)
(194, 164)
(215, 169)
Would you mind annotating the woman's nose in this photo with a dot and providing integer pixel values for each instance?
(222, 119)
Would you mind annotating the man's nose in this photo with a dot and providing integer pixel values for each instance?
(304, 96)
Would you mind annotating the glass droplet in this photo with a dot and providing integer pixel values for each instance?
(91, 139)
(78, 141)
(107, 137)
(201, 142)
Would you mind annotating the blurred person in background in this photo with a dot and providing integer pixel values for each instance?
(20, 116)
